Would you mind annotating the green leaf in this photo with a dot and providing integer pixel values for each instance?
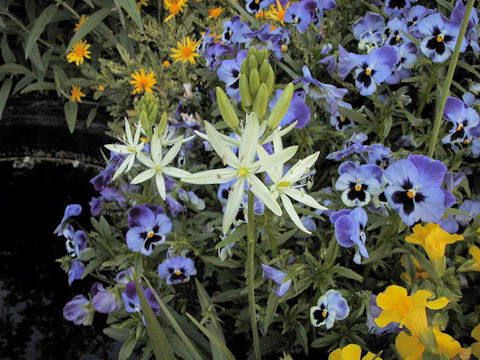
(91, 116)
(15, 69)
(387, 125)
(178, 329)
(347, 273)
(120, 334)
(127, 348)
(452, 211)
(7, 53)
(238, 234)
(45, 17)
(89, 24)
(4, 92)
(131, 8)
(354, 115)
(272, 304)
(158, 340)
(39, 86)
(212, 338)
(71, 109)
(325, 341)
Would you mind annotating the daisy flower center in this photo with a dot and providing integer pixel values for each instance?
(187, 51)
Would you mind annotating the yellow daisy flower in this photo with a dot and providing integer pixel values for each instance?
(214, 12)
(100, 87)
(142, 81)
(277, 13)
(79, 52)
(76, 94)
(186, 51)
(82, 19)
(174, 7)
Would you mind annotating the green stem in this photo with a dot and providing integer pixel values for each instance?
(449, 78)
(251, 273)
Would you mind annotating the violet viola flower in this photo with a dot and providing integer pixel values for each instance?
(278, 277)
(132, 302)
(439, 37)
(70, 210)
(350, 231)
(330, 307)
(229, 73)
(414, 189)
(213, 53)
(124, 277)
(470, 206)
(299, 14)
(407, 54)
(395, 7)
(149, 229)
(354, 145)
(471, 35)
(76, 241)
(79, 311)
(370, 70)
(374, 312)
(173, 205)
(358, 183)
(297, 111)
(255, 6)
(234, 31)
(319, 9)
(379, 155)
(177, 270)
(369, 30)
(465, 122)
(413, 15)
(396, 29)
(104, 301)
(76, 271)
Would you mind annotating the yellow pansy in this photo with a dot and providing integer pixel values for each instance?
(476, 346)
(474, 263)
(433, 239)
(351, 352)
(411, 348)
(409, 311)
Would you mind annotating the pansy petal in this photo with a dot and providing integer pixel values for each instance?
(438, 303)
(352, 352)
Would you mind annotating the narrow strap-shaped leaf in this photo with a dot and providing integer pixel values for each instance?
(131, 8)
(178, 329)
(4, 92)
(212, 338)
(71, 109)
(89, 24)
(45, 17)
(272, 304)
(158, 340)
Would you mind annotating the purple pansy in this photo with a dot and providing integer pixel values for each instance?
(298, 110)
(413, 15)
(370, 70)
(213, 53)
(358, 183)
(439, 37)
(330, 307)
(124, 277)
(471, 35)
(395, 7)
(147, 229)
(354, 145)
(350, 230)
(396, 30)
(464, 120)
(369, 31)
(414, 189)
(255, 6)
(379, 155)
(173, 205)
(76, 241)
(70, 210)
(278, 277)
(470, 206)
(132, 302)
(229, 73)
(299, 14)
(235, 31)
(76, 271)
(177, 270)
(79, 311)
(407, 54)
(104, 301)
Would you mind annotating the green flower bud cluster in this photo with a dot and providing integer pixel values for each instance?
(147, 109)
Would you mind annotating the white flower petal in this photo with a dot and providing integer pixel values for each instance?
(143, 176)
(172, 152)
(232, 141)
(282, 132)
(274, 160)
(304, 198)
(261, 191)
(233, 204)
(287, 204)
(121, 168)
(160, 185)
(118, 149)
(137, 133)
(128, 132)
(277, 141)
(249, 140)
(178, 173)
(220, 146)
(145, 160)
(217, 176)
(156, 149)
(300, 168)
(272, 172)
(131, 160)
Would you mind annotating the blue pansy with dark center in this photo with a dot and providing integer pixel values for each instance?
(278, 277)
(350, 230)
(104, 301)
(78, 310)
(76, 241)
(177, 270)
(354, 145)
(464, 123)
(414, 189)
(439, 37)
(70, 210)
(234, 31)
(255, 6)
(148, 228)
(396, 7)
(229, 73)
(300, 14)
(132, 302)
(330, 307)
(407, 55)
(413, 15)
(379, 155)
(471, 35)
(358, 183)
(76, 271)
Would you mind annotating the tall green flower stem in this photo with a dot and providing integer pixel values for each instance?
(251, 241)
(449, 78)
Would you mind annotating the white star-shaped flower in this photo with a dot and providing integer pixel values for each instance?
(242, 168)
(284, 184)
(131, 147)
(158, 164)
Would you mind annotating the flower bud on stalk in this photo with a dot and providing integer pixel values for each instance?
(261, 101)
(270, 81)
(262, 55)
(254, 81)
(245, 91)
(263, 71)
(162, 126)
(226, 109)
(252, 63)
(281, 107)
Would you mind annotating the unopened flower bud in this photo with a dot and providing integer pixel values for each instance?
(281, 107)
(261, 101)
(226, 109)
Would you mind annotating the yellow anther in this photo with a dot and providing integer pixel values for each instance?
(459, 127)
(343, 118)
(410, 194)
(358, 187)
(324, 313)
(150, 234)
(284, 184)
(368, 72)
(177, 272)
(284, 48)
(242, 172)
(440, 38)
(158, 168)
